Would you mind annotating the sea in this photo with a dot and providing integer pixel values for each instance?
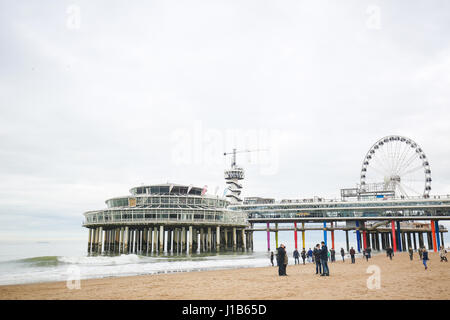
(63, 260)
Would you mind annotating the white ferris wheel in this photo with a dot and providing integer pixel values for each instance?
(398, 164)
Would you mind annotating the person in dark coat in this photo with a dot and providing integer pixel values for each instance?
(324, 259)
(425, 257)
(343, 254)
(411, 252)
(316, 255)
(280, 260)
(271, 257)
(352, 254)
(303, 255)
(389, 252)
(333, 255)
(296, 256)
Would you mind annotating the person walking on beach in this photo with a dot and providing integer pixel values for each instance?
(365, 255)
(271, 257)
(411, 252)
(420, 253)
(316, 256)
(443, 254)
(389, 252)
(369, 251)
(324, 259)
(333, 255)
(352, 254)
(310, 255)
(296, 255)
(303, 255)
(425, 258)
(343, 254)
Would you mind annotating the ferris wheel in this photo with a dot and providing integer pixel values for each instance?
(398, 164)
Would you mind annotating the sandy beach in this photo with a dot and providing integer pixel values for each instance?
(400, 279)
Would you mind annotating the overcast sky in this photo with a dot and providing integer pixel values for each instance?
(99, 96)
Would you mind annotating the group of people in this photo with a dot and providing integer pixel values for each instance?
(320, 256)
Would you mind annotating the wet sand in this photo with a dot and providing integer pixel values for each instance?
(400, 279)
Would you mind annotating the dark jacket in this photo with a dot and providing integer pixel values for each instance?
(303, 254)
(342, 252)
(280, 255)
(296, 254)
(324, 253)
(352, 252)
(316, 254)
(425, 255)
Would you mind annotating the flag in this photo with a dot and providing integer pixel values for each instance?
(170, 188)
(225, 191)
(189, 188)
(204, 190)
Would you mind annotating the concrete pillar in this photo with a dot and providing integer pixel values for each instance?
(358, 236)
(209, 239)
(100, 240)
(408, 237)
(234, 239)
(430, 241)
(150, 237)
(442, 240)
(414, 240)
(268, 236)
(155, 239)
(218, 238)
(125, 241)
(89, 240)
(225, 236)
(183, 239)
(161, 239)
(421, 243)
(190, 239)
(169, 240)
(244, 247)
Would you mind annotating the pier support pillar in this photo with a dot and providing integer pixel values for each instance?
(169, 240)
(399, 237)
(276, 235)
(268, 237)
(414, 240)
(394, 241)
(183, 239)
(358, 237)
(325, 232)
(90, 240)
(295, 235)
(125, 240)
(100, 239)
(209, 239)
(244, 244)
(225, 236)
(234, 239)
(332, 236)
(161, 239)
(202, 240)
(421, 242)
(303, 235)
(433, 234)
(217, 238)
(404, 244)
(346, 241)
(155, 239)
(442, 240)
(191, 236)
(438, 240)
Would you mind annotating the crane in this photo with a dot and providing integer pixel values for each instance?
(233, 163)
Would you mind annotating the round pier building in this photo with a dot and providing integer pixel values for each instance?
(167, 218)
